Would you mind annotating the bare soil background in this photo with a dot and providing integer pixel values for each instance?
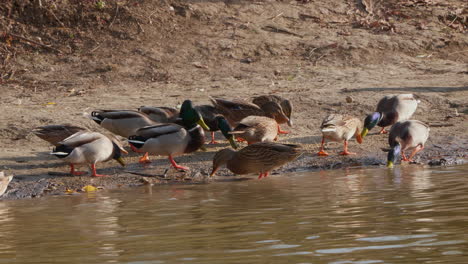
(59, 60)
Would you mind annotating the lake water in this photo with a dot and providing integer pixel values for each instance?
(374, 215)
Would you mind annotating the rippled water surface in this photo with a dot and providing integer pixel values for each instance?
(405, 215)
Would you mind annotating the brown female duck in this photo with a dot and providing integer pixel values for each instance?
(256, 158)
(236, 110)
(285, 104)
(255, 129)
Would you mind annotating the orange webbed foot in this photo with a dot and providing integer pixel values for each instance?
(322, 153)
(144, 159)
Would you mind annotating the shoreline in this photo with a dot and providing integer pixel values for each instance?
(57, 181)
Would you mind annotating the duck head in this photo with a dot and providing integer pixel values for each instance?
(190, 117)
(117, 154)
(221, 157)
(393, 154)
(225, 128)
(274, 110)
(370, 122)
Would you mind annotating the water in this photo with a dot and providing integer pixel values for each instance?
(405, 215)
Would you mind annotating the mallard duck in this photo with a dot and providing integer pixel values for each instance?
(86, 147)
(340, 128)
(236, 110)
(172, 139)
(124, 123)
(256, 158)
(56, 133)
(391, 109)
(255, 129)
(285, 104)
(160, 114)
(410, 134)
(212, 117)
(4, 181)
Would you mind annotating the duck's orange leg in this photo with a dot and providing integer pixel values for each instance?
(322, 151)
(282, 131)
(213, 141)
(75, 173)
(345, 151)
(93, 168)
(415, 150)
(383, 131)
(177, 166)
(403, 156)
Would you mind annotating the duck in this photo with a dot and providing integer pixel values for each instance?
(56, 133)
(212, 118)
(161, 114)
(285, 104)
(391, 109)
(4, 181)
(255, 129)
(261, 158)
(236, 110)
(124, 123)
(172, 139)
(406, 135)
(339, 128)
(86, 147)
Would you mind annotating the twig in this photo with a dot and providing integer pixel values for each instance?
(451, 23)
(463, 51)
(35, 42)
(95, 48)
(56, 18)
(275, 17)
(148, 175)
(115, 15)
(140, 27)
(276, 29)
(149, 17)
(441, 125)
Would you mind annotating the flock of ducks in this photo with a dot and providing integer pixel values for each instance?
(166, 131)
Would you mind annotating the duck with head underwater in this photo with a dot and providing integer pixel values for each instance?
(390, 109)
(410, 134)
(86, 147)
(172, 139)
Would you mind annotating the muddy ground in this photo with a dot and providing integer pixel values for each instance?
(58, 63)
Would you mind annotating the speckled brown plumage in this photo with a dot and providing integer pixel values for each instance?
(256, 158)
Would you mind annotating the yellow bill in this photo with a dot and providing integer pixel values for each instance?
(121, 161)
(364, 132)
(201, 122)
(389, 164)
(232, 142)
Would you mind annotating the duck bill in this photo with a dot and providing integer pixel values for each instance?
(364, 132)
(232, 142)
(120, 161)
(389, 164)
(201, 122)
(290, 123)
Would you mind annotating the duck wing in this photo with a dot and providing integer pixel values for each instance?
(158, 130)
